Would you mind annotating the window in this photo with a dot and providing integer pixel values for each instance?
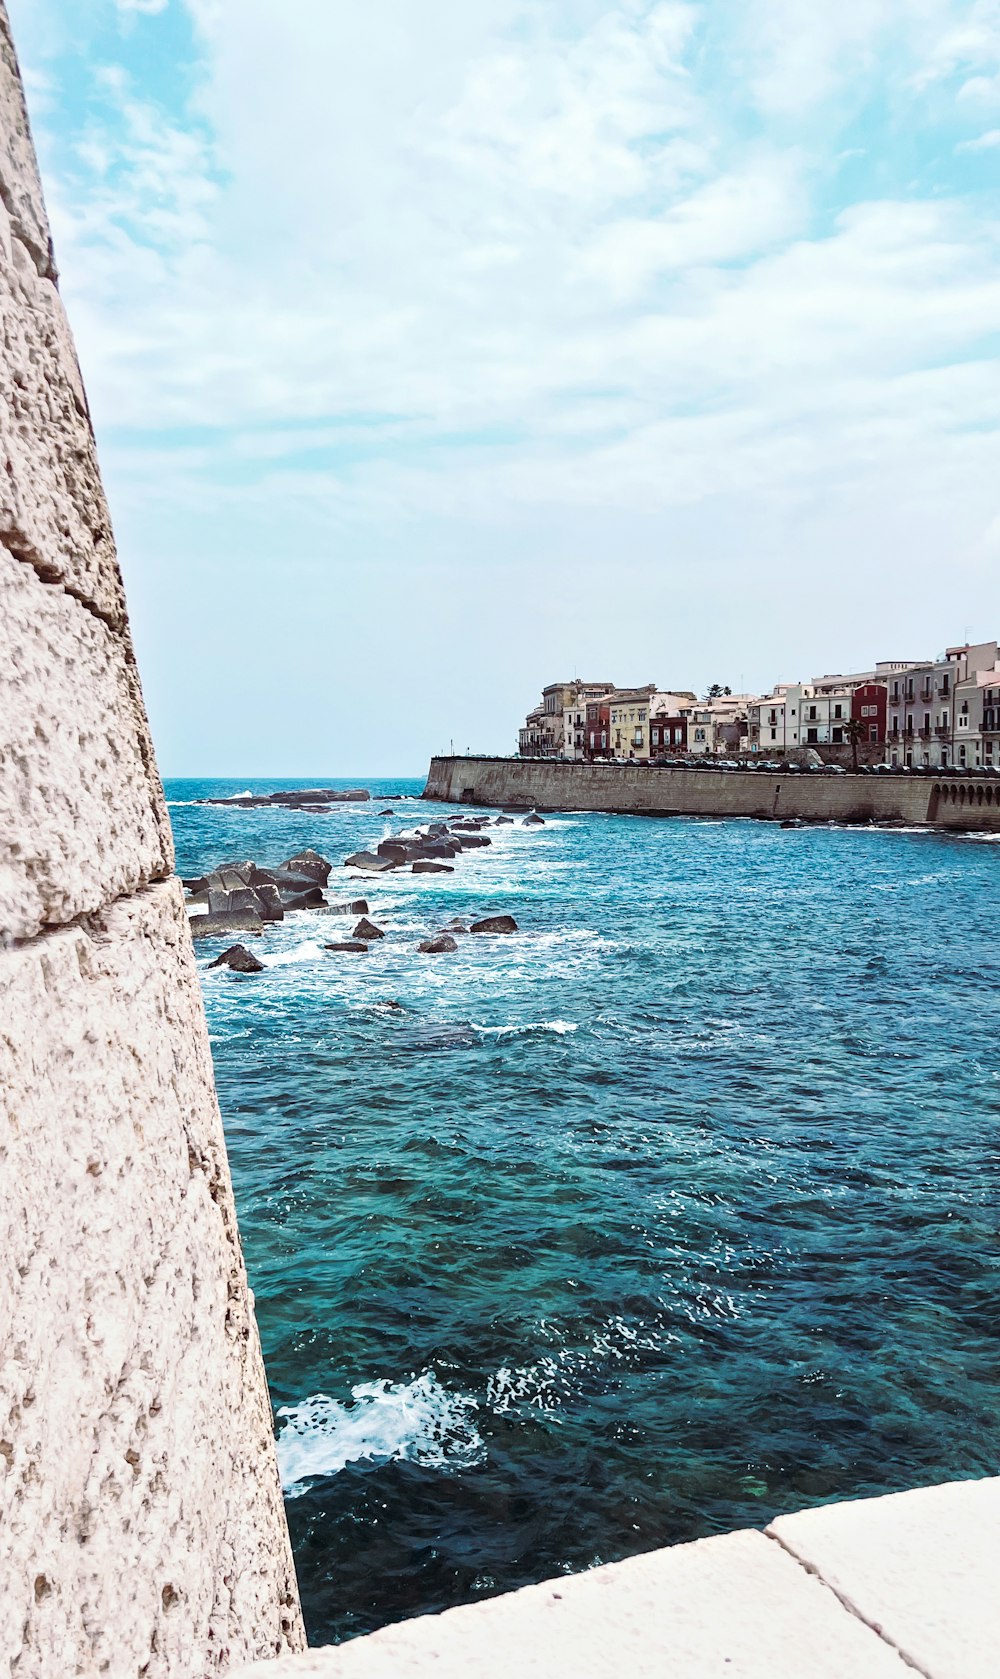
(812, 735)
(961, 755)
(838, 711)
(869, 711)
(872, 732)
(812, 713)
(838, 737)
(774, 734)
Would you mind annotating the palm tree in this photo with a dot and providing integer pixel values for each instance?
(856, 732)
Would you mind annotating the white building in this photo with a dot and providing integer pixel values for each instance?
(936, 710)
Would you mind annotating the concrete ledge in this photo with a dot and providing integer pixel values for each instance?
(923, 1566)
(877, 1587)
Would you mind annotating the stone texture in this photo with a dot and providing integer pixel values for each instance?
(736, 1606)
(140, 1509)
(52, 508)
(923, 1566)
(82, 817)
(20, 187)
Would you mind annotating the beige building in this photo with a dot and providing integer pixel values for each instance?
(629, 722)
(555, 728)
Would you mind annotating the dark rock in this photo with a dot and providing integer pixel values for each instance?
(387, 813)
(357, 906)
(353, 946)
(307, 863)
(495, 924)
(367, 930)
(269, 905)
(197, 883)
(468, 842)
(230, 921)
(504, 822)
(455, 926)
(425, 866)
(441, 944)
(368, 862)
(391, 1004)
(533, 820)
(313, 899)
(395, 851)
(240, 959)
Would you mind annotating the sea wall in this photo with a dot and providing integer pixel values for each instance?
(142, 1528)
(633, 789)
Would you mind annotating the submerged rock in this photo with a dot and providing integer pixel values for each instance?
(353, 946)
(425, 866)
(230, 921)
(494, 924)
(368, 862)
(240, 959)
(440, 945)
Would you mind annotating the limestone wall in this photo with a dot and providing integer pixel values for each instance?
(142, 1530)
(631, 789)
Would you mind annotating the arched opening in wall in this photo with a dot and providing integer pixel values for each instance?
(979, 795)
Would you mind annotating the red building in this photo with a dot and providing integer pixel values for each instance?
(668, 734)
(597, 730)
(869, 706)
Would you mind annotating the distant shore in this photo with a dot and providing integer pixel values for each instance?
(956, 802)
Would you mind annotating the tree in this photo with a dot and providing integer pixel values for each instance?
(717, 692)
(856, 732)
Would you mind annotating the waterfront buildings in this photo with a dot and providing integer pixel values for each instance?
(909, 713)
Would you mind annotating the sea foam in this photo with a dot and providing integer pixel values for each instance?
(415, 1422)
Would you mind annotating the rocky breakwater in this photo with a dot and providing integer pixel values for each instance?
(314, 799)
(246, 897)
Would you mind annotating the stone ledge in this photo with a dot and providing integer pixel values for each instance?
(741, 1605)
(82, 816)
(923, 1566)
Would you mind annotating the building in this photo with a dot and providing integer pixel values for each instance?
(597, 730)
(556, 727)
(629, 721)
(869, 707)
(668, 722)
(936, 709)
(720, 726)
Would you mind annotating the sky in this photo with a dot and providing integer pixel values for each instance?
(440, 351)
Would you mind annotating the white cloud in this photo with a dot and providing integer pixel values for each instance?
(982, 143)
(148, 8)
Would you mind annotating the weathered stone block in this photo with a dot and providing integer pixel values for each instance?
(82, 816)
(142, 1522)
(20, 187)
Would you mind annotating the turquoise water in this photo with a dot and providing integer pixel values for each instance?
(675, 1211)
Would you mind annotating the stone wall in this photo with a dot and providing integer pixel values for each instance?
(142, 1529)
(632, 789)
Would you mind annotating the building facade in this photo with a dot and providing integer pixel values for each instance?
(936, 710)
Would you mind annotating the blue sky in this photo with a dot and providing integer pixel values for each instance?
(440, 351)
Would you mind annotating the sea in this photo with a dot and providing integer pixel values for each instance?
(676, 1210)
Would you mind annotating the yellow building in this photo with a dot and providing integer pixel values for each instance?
(630, 722)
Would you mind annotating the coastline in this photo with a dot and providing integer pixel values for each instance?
(953, 803)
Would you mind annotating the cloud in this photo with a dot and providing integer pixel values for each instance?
(148, 8)
(983, 142)
(503, 281)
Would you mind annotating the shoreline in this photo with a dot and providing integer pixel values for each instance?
(948, 803)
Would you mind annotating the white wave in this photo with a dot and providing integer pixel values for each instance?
(560, 1027)
(415, 1422)
(311, 951)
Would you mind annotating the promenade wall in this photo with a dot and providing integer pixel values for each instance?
(142, 1529)
(638, 790)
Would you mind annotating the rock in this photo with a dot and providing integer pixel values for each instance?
(396, 851)
(792, 822)
(391, 1004)
(367, 930)
(387, 813)
(354, 946)
(424, 866)
(357, 906)
(271, 907)
(495, 924)
(533, 820)
(455, 927)
(468, 842)
(313, 899)
(309, 864)
(240, 959)
(504, 822)
(231, 921)
(368, 862)
(441, 944)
